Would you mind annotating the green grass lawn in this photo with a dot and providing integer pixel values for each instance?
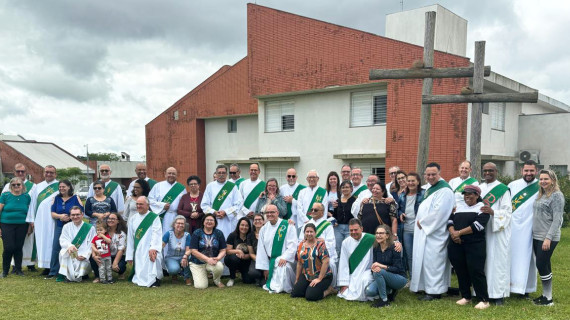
(32, 297)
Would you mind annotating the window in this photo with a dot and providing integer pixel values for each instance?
(279, 116)
(232, 125)
(560, 169)
(486, 107)
(380, 172)
(279, 172)
(368, 108)
(497, 113)
(176, 115)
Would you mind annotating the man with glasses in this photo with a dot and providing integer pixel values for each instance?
(290, 193)
(165, 197)
(345, 173)
(457, 184)
(250, 191)
(355, 261)
(223, 199)
(39, 215)
(27, 259)
(75, 243)
(235, 175)
(276, 250)
(431, 270)
(309, 196)
(356, 179)
(392, 172)
(140, 171)
(112, 189)
(497, 200)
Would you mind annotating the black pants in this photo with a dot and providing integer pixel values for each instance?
(302, 288)
(468, 260)
(13, 236)
(255, 274)
(234, 264)
(543, 258)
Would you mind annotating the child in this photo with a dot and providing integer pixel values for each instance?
(101, 247)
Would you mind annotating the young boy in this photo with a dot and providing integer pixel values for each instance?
(101, 245)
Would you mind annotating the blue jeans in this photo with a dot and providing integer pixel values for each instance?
(409, 249)
(56, 247)
(385, 280)
(173, 266)
(340, 233)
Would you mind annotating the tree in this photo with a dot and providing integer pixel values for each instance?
(74, 175)
(101, 156)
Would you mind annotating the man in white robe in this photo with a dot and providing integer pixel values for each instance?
(287, 191)
(39, 215)
(356, 179)
(20, 171)
(140, 171)
(116, 194)
(523, 266)
(353, 285)
(235, 175)
(75, 252)
(431, 270)
(306, 196)
(498, 235)
(165, 196)
(282, 277)
(146, 257)
(458, 183)
(246, 188)
(227, 213)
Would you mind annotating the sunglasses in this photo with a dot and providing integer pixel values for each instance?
(97, 188)
(16, 185)
(233, 172)
(104, 170)
(20, 171)
(315, 210)
(291, 176)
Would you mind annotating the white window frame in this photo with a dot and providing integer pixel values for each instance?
(278, 170)
(279, 116)
(363, 112)
(231, 128)
(497, 113)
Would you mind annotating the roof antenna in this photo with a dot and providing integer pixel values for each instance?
(402, 4)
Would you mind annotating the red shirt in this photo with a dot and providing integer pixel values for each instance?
(102, 246)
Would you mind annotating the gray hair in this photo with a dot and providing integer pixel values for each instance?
(178, 217)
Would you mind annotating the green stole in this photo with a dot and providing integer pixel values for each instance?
(222, 195)
(495, 194)
(254, 194)
(141, 231)
(276, 250)
(171, 195)
(28, 185)
(321, 227)
(151, 183)
(439, 185)
(524, 195)
(317, 197)
(48, 191)
(295, 196)
(81, 235)
(359, 190)
(467, 182)
(110, 188)
(360, 251)
(239, 181)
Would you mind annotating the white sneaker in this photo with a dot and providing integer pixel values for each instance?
(230, 283)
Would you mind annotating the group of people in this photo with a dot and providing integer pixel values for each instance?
(361, 240)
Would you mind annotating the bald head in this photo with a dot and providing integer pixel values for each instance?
(171, 175)
(140, 171)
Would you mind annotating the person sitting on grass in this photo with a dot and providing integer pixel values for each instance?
(176, 258)
(237, 254)
(101, 246)
(75, 241)
(208, 247)
(116, 227)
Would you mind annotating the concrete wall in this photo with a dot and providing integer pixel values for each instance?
(409, 26)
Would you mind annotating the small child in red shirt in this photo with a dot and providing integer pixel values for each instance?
(101, 247)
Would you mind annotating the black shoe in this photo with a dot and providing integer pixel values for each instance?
(20, 273)
(544, 302)
(380, 304)
(13, 271)
(538, 299)
(85, 277)
(430, 297)
(32, 269)
(497, 302)
(520, 296)
(452, 291)
(392, 295)
(156, 284)
(3, 275)
(49, 277)
(45, 272)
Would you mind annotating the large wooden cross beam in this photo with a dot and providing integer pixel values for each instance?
(477, 98)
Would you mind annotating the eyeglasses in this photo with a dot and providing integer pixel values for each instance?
(270, 212)
(379, 233)
(50, 172)
(315, 210)
(233, 172)
(20, 171)
(291, 176)
(97, 188)
(312, 177)
(104, 170)
(392, 173)
(356, 174)
(112, 219)
(16, 184)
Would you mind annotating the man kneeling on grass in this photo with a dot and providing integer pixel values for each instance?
(75, 244)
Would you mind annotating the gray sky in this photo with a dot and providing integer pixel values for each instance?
(77, 72)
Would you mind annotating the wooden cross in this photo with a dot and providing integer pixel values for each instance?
(477, 98)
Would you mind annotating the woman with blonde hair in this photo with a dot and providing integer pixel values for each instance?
(547, 221)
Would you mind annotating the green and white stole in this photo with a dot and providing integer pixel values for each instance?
(151, 183)
(254, 194)
(171, 195)
(143, 227)
(222, 195)
(278, 241)
(295, 196)
(321, 227)
(361, 250)
(28, 185)
(317, 197)
(81, 234)
(495, 194)
(110, 188)
(465, 183)
(359, 190)
(524, 195)
(48, 191)
(439, 185)
(239, 181)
